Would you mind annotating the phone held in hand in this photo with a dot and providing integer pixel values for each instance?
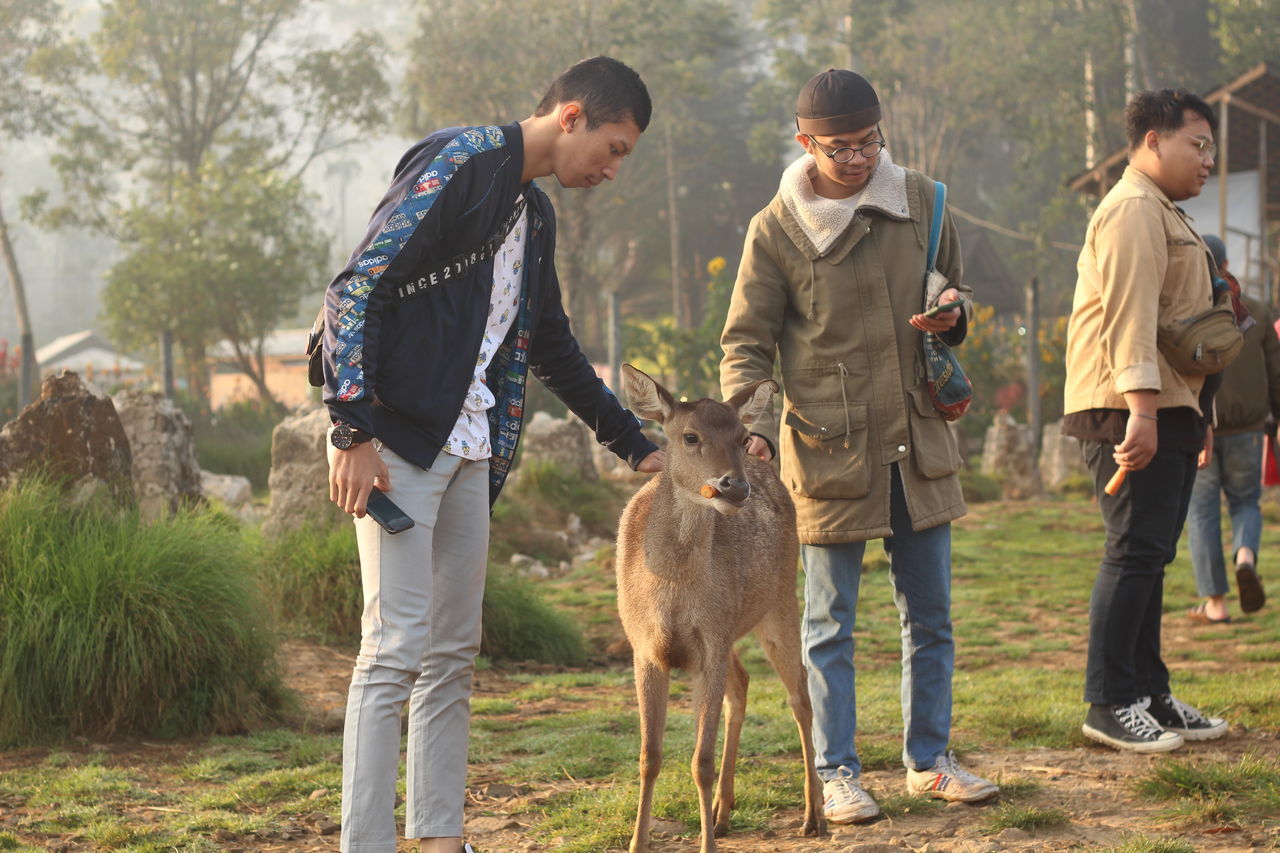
(384, 511)
(940, 309)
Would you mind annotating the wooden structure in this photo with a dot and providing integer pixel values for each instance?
(1248, 111)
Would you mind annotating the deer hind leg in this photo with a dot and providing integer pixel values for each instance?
(735, 710)
(652, 684)
(779, 635)
(707, 696)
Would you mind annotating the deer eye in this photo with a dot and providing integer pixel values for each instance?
(690, 438)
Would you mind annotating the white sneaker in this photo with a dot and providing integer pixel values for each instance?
(844, 800)
(947, 780)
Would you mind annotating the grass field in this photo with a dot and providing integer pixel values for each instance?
(553, 753)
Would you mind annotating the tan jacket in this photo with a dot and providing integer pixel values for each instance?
(831, 299)
(1142, 262)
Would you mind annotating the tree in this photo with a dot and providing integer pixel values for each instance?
(1247, 31)
(237, 232)
(471, 65)
(177, 93)
(26, 26)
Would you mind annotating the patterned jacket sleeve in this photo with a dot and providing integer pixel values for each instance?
(432, 188)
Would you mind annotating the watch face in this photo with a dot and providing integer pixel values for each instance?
(342, 437)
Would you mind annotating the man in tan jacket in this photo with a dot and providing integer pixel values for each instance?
(1142, 264)
(832, 285)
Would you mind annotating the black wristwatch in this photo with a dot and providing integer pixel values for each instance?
(344, 436)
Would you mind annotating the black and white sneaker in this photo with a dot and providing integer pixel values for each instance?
(1129, 727)
(1176, 716)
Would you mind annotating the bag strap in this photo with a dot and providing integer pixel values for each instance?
(935, 227)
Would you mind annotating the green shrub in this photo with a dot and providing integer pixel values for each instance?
(520, 625)
(236, 439)
(551, 490)
(1076, 486)
(978, 487)
(312, 578)
(114, 626)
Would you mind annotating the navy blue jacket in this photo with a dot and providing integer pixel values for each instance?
(404, 320)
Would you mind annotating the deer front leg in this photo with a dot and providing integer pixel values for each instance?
(652, 684)
(708, 694)
(735, 711)
(779, 636)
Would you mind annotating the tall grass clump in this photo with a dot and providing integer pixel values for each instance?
(109, 625)
(312, 576)
(236, 439)
(551, 490)
(519, 625)
(312, 579)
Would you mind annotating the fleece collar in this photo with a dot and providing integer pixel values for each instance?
(823, 220)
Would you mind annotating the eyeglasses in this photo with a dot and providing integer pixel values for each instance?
(844, 155)
(1207, 147)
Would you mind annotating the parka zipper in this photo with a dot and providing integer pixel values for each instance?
(848, 426)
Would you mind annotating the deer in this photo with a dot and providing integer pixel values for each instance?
(707, 552)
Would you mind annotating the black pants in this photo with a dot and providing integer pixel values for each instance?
(1143, 522)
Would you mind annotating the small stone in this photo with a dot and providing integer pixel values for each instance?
(521, 561)
(1013, 834)
(223, 835)
(768, 833)
(327, 826)
(668, 827)
(499, 790)
(491, 823)
(318, 793)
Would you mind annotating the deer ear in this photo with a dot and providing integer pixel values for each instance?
(646, 397)
(753, 401)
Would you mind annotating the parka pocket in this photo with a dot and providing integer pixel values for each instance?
(934, 447)
(824, 450)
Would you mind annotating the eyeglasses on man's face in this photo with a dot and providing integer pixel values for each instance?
(844, 154)
(1206, 147)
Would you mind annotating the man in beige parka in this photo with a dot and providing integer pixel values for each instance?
(831, 284)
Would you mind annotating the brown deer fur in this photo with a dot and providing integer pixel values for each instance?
(695, 574)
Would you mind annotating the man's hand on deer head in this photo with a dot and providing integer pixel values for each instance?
(757, 446)
(653, 463)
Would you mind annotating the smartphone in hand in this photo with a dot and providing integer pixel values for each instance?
(384, 511)
(940, 309)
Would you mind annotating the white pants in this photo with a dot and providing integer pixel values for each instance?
(420, 633)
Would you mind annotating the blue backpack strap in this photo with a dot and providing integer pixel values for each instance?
(935, 227)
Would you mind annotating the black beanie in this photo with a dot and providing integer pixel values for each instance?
(836, 101)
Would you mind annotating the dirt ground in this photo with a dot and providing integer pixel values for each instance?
(1091, 784)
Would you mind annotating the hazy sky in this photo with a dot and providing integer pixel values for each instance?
(63, 270)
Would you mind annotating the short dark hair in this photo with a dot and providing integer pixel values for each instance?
(1163, 111)
(608, 90)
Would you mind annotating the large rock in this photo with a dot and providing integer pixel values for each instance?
(566, 442)
(235, 492)
(72, 432)
(1060, 457)
(299, 480)
(165, 472)
(1009, 454)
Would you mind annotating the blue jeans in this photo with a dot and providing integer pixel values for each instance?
(920, 569)
(1236, 469)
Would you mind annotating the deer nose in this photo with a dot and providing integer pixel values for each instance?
(733, 490)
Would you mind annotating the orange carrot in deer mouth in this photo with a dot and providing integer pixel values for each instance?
(708, 491)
